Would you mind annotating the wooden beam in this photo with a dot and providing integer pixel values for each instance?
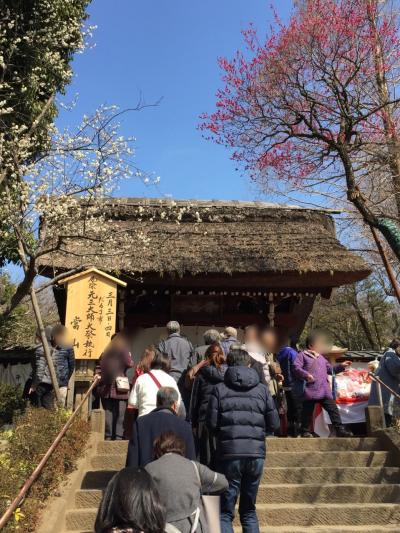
(271, 309)
(274, 280)
(121, 309)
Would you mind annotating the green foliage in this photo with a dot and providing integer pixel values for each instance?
(18, 328)
(9, 242)
(11, 403)
(37, 41)
(33, 434)
(358, 317)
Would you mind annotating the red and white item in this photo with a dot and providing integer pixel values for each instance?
(352, 392)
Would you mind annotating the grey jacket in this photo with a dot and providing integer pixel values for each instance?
(41, 372)
(180, 490)
(389, 372)
(200, 353)
(64, 364)
(180, 351)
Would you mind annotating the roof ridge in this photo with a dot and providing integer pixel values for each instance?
(255, 204)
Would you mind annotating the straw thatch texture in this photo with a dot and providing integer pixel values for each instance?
(192, 237)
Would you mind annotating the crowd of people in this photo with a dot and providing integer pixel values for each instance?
(197, 419)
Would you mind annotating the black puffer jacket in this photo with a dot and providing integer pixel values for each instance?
(240, 412)
(204, 384)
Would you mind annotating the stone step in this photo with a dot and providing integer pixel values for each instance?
(98, 479)
(80, 519)
(306, 493)
(312, 529)
(278, 445)
(108, 462)
(109, 447)
(325, 529)
(281, 459)
(322, 475)
(303, 515)
(322, 444)
(88, 498)
(329, 493)
(335, 458)
(289, 515)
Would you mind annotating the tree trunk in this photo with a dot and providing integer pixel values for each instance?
(22, 291)
(387, 227)
(386, 263)
(46, 348)
(374, 321)
(36, 309)
(363, 322)
(389, 125)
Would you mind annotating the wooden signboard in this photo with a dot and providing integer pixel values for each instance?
(91, 311)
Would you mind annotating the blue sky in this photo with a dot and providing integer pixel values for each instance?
(169, 50)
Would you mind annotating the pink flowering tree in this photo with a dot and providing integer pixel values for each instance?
(315, 108)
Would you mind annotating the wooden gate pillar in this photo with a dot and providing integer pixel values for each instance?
(271, 309)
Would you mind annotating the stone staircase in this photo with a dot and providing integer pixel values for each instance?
(309, 485)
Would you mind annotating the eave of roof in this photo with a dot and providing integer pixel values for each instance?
(220, 237)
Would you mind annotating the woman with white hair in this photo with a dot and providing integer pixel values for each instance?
(229, 339)
(210, 337)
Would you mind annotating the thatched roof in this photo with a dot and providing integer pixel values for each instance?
(220, 237)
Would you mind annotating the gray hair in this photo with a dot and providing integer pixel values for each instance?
(238, 357)
(173, 326)
(211, 335)
(230, 331)
(167, 396)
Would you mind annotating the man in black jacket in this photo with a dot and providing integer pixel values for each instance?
(148, 428)
(240, 413)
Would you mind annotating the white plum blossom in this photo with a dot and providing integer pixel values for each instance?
(66, 195)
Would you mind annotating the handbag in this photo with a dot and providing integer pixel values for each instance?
(211, 510)
(122, 384)
(169, 528)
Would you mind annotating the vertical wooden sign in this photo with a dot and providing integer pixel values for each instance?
(91, 311)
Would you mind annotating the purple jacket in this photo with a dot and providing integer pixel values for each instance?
(319, 368)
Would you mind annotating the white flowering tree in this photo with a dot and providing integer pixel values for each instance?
(37, 41)
(60, 196)
(53, 184)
